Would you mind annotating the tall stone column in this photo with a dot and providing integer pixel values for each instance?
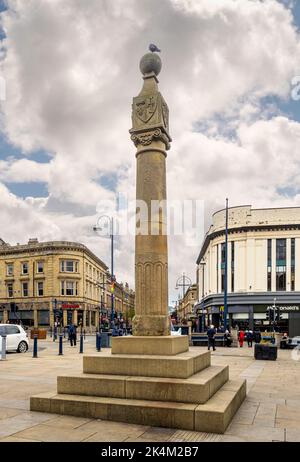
(150, 134)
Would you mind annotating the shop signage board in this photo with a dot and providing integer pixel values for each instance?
(70, 306)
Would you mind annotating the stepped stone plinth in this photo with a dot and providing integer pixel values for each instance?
(177, 391)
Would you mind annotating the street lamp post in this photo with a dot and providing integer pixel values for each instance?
(274, 313)
(226, 267)
(183, 281)
(111, 230)
(202, 263)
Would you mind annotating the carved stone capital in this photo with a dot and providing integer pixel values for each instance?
(146, 138)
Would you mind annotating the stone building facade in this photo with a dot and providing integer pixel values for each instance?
(48, 281)
(263, 263)
(186, 305)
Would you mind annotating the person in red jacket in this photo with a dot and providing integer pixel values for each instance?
(241, 338)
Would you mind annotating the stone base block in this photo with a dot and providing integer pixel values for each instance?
(137, 345)
(180, 366)
(150, 325)
(162, 414)
(212, 417)
(196, 389)
(217, 413)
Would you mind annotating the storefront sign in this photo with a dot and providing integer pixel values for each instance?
(288, 308)
(70, 306)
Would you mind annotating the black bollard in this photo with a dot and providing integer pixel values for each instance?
(50, 332)
(35, 346)
(60, 353)
(84, 333)
(98, 342)
(81, 344)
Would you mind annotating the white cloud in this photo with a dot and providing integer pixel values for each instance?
(71, 70)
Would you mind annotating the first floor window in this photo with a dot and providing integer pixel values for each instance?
(222, 280)
(40, 289)
(281, 278)
(25, 289)
(25, 268)
(10, 269)
(292, 278)
(69, 266)
(69, 288)
(10, 289)
(40, 267)
(269, 279)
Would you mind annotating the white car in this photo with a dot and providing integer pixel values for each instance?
(16, 338)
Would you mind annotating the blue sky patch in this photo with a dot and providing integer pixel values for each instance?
(28, 189)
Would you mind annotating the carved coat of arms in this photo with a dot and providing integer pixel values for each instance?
(145, 108)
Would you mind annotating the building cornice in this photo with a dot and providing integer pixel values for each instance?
(251, 298)
(243, 229)
(50, 247)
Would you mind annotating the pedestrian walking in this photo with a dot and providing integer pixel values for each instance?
(241, 338)
(249, 338)
(211, 333)
(257, 336)
(228, 338)
(72, 334)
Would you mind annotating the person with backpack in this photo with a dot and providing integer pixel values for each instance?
(72, 334)
(249, 338)
(211, 333)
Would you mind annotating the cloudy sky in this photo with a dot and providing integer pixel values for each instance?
(69, 70)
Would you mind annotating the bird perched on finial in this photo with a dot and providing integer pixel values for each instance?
(154, 48)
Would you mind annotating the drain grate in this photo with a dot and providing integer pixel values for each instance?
(194, 436)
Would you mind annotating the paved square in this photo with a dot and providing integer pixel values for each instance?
(270, 412)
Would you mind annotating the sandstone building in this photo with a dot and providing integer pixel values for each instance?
(263, 268)
(43, 279)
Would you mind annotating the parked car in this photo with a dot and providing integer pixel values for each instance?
(290, 343)
(16, 338)
(294, 342)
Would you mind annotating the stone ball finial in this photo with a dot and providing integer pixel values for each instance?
(150, 62)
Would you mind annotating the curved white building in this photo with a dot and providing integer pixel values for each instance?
(263, 265)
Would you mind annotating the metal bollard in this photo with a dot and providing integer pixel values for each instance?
(35, 346)
(84, 333)
(60, 351)
(81, 344)
(3, 351)
(98, 342)
(50, 332)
